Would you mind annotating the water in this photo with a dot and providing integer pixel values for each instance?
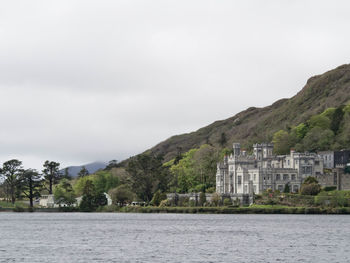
(111, 237)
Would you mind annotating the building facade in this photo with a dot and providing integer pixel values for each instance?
(335, 159)
(240, 173)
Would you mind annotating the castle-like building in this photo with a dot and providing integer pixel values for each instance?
(240, 173)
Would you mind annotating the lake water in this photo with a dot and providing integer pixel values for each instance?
(112, 237)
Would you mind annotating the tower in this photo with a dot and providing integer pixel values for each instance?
(236, 149)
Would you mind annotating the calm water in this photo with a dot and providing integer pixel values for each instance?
(79, 237)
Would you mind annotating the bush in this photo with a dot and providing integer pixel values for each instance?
(202, 199)
(329, 188)
(164, 203)
(215, 199)
(211, 190)
(310, 189)
(158, 197)
(227, 201)
(192, 203)
(183, 201)
(18, 209)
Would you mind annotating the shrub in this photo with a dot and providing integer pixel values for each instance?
(183, 201)
(192, 203)
(202, 199)
(227, 201)
(211, 190)
(236, 202)
(215, 199)
(18, 209)
(310, 189)
(329, 188)
(164, 203)
(158, 197)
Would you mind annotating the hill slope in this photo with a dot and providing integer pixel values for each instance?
(330, 89)
(91, 167)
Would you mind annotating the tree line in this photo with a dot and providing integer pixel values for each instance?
(28, 183)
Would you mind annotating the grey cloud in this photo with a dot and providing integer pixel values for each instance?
(97, 80)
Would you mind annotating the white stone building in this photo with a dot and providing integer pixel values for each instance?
(240, 173)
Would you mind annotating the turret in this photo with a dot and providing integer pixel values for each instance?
(236, 149)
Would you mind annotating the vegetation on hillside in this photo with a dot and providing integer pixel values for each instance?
(329, 90)
(329, 130)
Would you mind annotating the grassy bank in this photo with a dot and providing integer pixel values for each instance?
(239, 210)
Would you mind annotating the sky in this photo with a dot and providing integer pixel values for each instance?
(84, 81)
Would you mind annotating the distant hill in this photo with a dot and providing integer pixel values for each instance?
(91, 167)
(330, 89)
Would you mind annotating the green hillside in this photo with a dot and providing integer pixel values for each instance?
(329, 90)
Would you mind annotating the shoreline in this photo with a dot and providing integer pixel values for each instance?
(203, 210)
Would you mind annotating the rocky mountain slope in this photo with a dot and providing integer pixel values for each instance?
(330, 89)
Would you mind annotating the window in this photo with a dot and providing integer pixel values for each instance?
(254, 177)
(293, 177)
(288, 162)
(280, 187)
(239, 179)
(317, 163)
(285, 177)
(278, 177)
(254, 187)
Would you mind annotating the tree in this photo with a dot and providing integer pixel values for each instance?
(121, 195)
(64, 193)
(11, 172)
(30, 184)
(83, 172)
(222, 140)
(112, 164)
(282, 142)
(286, 188)
(148, 175)
(51, 173)
(318, 139)
(320, 121)
(91, 199)
(300, 131)
(158, 197)
(337, 119)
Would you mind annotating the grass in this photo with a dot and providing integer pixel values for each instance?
(5, 204)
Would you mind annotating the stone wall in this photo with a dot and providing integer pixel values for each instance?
(335, 177)
(245, 199)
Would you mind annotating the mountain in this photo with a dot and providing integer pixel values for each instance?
(330, 89)
(91, 167)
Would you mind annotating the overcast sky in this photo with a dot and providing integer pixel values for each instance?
(82, 81)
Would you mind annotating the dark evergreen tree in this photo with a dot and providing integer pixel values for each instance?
(30, 185)
(51, 174)
(11, 173)
(337, 119)
(148, 175)
(222, 140)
